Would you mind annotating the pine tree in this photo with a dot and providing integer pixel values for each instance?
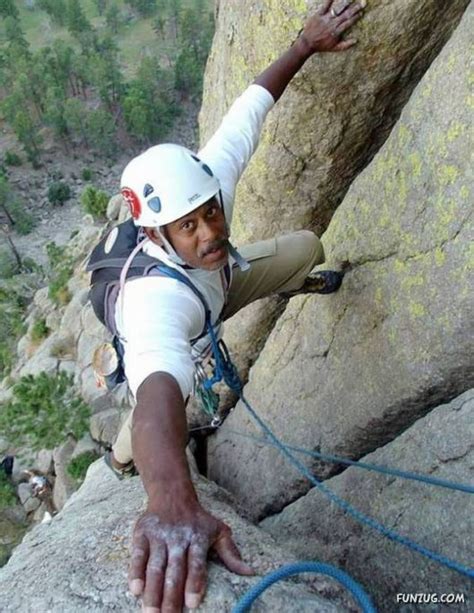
(28, 134)
(196, 28)
(76, 19)
(101, 6)
(8, 9)
(6, 231)
(54, 112)
(75, 115)
(112, 18)
(105, 73)
(100, 127)
(5, 199)
(149, 107)
(18, 46)
(145, 8)
(56, 9)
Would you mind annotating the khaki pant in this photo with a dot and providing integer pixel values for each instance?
(277, 265)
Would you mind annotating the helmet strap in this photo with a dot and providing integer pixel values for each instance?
(168, 247)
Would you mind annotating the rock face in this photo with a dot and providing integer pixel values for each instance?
(439, 445)
(336, 113)
(346, 373)
(64, 484)
(78, 561)
(332, 119)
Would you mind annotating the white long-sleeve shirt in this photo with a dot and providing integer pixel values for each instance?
(158, 317)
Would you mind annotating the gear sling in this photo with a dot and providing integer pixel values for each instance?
(115, 259)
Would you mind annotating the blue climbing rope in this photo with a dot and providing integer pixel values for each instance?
(361, 517)
(384, 470)
(289, 570)
(231, 377)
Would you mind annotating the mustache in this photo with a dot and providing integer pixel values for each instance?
(217, 244)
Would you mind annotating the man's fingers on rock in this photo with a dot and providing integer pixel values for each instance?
(228, 552)
(155, 573)
(197, 575)
(345, 44)
(342, 9)
(325, 8)
(350, 12)
(175, 577)
(138, 562)
(349, 16)
(345, 25)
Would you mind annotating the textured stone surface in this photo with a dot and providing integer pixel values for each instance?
(29, 503)
(245, 332)
(440, 445)
(12, 528)
(335, 113)
(345, 373)
(332, 119)
(78, 561)
(105, 425)
(64, 484)
(115, 206)
(84, 445)
(44, 461)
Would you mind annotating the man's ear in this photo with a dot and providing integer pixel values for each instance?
(154, 235)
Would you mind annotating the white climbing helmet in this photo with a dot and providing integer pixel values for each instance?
(164, 183)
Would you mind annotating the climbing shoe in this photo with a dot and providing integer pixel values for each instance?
(128, 471)
(322, 282)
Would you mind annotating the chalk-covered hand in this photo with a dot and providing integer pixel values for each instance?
(169, 557)
(323, 31)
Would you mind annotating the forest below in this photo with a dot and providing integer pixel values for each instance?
(82, 83)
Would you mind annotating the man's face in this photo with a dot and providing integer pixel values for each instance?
(200, 238)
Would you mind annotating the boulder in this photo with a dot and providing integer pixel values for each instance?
(53, 321)
(40, 514)
(64, 484)
(84, 241)
(71, 319)
(42, 300)
(85, 445)
(29, 502)
(105, 425)
(346, 373)
(13, 526)
(67, 366)
(44, 461)
(114, 207)
(438, 445)
(72, 569)
(4, 445)
(43, 359)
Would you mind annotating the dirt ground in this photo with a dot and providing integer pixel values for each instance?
(56, 223)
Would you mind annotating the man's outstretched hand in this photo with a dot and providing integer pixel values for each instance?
(169, 557)
(323, 31)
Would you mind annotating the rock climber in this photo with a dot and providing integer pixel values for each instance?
(182, 204)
